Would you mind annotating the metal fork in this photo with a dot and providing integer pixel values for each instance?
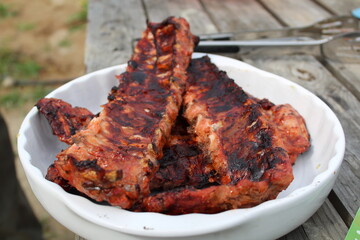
(338, 39)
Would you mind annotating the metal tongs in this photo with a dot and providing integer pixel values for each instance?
(337, 37)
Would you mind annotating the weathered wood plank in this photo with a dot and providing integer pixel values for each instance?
(192, 11)
(347, 73)
(342, 7)
(347, 107)
(296, 13)
(235, 16)
(324, 224)
(199, 20)
(111, 28)
(297, 234)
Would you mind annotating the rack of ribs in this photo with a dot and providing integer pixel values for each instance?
(182, 164)
(235, 128)
(252, 145)
(115, 156)
(176, 135)
(186, 180)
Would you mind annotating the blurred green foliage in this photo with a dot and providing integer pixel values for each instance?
(6, 11)
(65, 43)
(78, 20)
(17, 65)
(20, 67)
(18, 96)
(25, 27)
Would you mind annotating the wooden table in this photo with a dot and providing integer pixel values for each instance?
(113, 23)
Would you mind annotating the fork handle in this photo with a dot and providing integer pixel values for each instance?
(217, 49)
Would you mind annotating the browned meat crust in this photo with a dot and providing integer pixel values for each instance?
(64, 119)
(292, 132)
(212, 199)
(114, 158)
(54, 176)
(183, 164)
(235, 129)
(243, 140)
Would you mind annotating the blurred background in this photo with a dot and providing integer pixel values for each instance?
(41, 47)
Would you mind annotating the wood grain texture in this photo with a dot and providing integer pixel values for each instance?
(296, 13)
(325, 224)
(345, 104)
(235, 16)
(111, 28)
(191, 10)
(317, 227)
(348, 74)
(297, 234)
(340, 7)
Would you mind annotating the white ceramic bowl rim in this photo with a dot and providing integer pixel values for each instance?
(182, 225)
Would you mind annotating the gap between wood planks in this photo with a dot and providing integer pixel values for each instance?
(339, 206)
(320, 4)
(323, 62)
(272, 13)
(210, 15)
(333, 198)
(341, 78)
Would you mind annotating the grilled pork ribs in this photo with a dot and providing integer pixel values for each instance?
(226, 149)
(114, 158)
(237, 130)
(249, 142)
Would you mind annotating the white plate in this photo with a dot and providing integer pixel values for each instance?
(315, 171)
